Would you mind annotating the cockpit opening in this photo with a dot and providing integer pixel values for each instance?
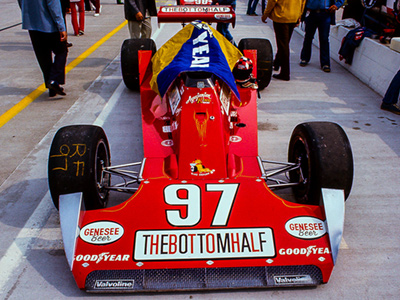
(199, 79)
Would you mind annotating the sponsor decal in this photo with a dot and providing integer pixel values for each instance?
(235, 139)
(204, 244)
(200, 52)
(224, 97)
(105, 256)
(170, 128)
(197, 168)
(293, 279)
(223, 16)
(100, 233)
(198, 2)
(167, 143)
(116, 284)
(174, 99)
(195, 9)
(202, 98)
(306, 228)
(310, 250)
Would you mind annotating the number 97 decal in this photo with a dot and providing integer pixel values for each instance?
(189, 196)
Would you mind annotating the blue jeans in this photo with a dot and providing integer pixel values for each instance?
(251, 7)
(322, 22)
(393, 91)
(223, 29)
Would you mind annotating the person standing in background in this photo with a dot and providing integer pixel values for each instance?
(223, 28)
(65, 7)
(45, 23)
(97, 7)
(78, 24)
(320, 15)
(251, 7)
(285, 15)
(389, 101)
(138, 13)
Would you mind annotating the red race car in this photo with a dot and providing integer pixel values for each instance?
(203, 213)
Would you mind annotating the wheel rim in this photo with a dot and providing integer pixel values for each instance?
(102, 179)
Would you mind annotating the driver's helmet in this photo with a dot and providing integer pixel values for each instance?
(243, 69)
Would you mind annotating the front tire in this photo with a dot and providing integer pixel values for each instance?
(130, 60)
(264, 58)
(326, 161)
(77, 157)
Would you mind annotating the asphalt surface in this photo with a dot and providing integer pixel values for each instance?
(31, 252)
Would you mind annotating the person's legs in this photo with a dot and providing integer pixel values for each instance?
(283, 33)
(223, 29)
(249, 6)
(81, 7)
(96, 4)
(324, 27)
(279, 44)
(87, 5)
(146, 28)
(74, 18)
(393, 91)
(60, 50)
(254, 7)
(311, 27)
(134, 29)
(42, 51)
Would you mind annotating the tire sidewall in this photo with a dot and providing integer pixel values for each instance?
(71, 163)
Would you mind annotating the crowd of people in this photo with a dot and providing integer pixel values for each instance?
(46, 23)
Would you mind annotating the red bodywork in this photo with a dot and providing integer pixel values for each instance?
(202, 204)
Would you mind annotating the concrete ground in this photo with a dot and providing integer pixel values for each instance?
(32, 260)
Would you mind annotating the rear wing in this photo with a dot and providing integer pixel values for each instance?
(190, 13)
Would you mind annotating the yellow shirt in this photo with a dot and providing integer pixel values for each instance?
(284, 11)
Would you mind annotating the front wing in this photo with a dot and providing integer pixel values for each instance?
(173, 235)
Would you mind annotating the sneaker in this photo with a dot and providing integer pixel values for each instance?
(303, 63)
(96, 15)
(326, 69)
(391, 107)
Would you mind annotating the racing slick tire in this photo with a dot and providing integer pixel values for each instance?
(77, 156)
(130, 60)
(326, 161)
(264, 58)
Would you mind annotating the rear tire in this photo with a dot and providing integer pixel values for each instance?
(78, 154)
(326, 160)
(264, 58)
(130, 60)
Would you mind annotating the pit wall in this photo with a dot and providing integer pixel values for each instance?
(374, 63)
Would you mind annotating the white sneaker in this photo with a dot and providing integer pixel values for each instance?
(96, 15)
